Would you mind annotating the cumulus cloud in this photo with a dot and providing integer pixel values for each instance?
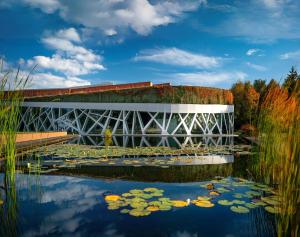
(256, 66)
(69, 61)
(111, 17)
(207, 78)
(48, 80)
(289, 55)
(178, 57)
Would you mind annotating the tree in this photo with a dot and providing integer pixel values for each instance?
(245, 103)
(290, 81)
(259, 85)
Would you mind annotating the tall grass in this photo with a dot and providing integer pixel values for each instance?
(11, 98)
(279, 154)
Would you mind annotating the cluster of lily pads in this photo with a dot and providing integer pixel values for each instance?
(83, 151)
(138, 202)
(257, 195)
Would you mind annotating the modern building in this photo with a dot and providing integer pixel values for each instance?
(130, 109)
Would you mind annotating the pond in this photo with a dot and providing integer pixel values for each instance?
(216, 196)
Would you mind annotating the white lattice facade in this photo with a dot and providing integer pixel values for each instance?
(128, 118)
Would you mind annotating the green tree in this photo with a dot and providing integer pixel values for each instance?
(259, 85)
(291, 80)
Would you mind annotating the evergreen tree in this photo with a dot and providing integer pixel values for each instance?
(259, 85)
(290, 81)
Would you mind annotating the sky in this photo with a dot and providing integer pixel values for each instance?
(211, 43)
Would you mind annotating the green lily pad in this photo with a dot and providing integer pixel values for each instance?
(224, 202)
(139, 212)
(239, 202)
(239, 209)
(125, 211)
(250, 205)
(272, 210)
(253, 193)
(271, 200)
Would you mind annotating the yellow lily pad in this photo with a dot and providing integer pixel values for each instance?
(152, 208)
(112, 198)
(214, 193)
(179, 203)
(204, 203)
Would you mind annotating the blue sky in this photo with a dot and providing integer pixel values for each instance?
(201, 42)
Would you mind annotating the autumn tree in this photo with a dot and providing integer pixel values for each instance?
(245, 103)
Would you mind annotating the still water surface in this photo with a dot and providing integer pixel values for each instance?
(71, 203)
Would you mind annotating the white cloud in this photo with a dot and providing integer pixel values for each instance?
(48, 80)
(70, 59)
(251, 52)
(207, 78)
(256, 66)
(174, 56)
(140, 16)
(69, 34)
(47, 6)
(289, 55)
(69, 67)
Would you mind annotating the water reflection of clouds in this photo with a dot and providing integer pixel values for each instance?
(71, 198)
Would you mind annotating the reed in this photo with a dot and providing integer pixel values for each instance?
(279, 154)
(11, 86)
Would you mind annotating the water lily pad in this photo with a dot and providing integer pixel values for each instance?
(152, 208)
(253, 193)
(225, 202)
(179, 203)
(239, 202)
(271, 200)
(136, 191)
(139, 212)
(152, 189)
(112, 198)
(273, 210)
(125, 211)
(239, 209)
(259, 203)
(203, 203)
(203, 198)
(222, 190)
(250, 205)
(214, 193)
(127, 195)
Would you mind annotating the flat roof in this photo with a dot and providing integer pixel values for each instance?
(30, 93)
